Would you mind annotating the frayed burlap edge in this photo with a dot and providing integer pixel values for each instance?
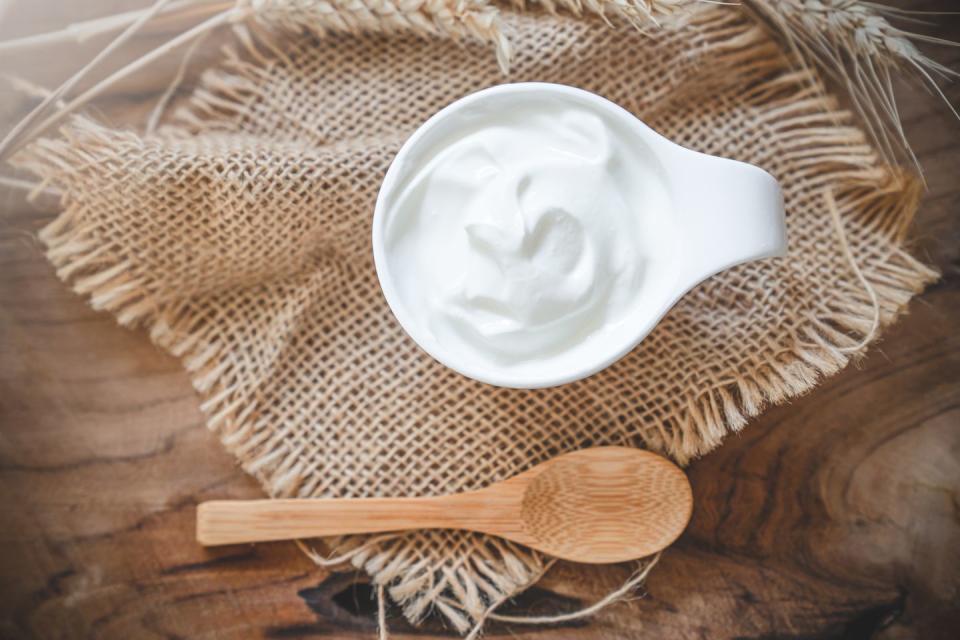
(801, 115)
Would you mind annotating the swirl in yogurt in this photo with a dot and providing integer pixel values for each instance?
(521, 238)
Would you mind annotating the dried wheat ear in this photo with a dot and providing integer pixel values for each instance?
(856, 44)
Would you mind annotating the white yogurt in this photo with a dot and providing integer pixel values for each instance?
(524, 238)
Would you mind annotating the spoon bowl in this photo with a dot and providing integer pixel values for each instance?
(598, 505)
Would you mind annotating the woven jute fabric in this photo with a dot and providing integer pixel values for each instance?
(238, 237)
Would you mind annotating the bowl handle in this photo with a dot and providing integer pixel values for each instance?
(729, 212)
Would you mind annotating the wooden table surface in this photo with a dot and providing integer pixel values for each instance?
(835, 516)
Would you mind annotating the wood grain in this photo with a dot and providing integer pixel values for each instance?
(836, 516)
(604, 504)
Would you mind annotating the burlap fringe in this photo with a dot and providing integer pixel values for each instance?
(465, 595)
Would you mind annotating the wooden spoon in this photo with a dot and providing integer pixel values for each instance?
(605, 504)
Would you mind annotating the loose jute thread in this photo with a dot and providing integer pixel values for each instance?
(382, 631)
(635, 580)
(620, 593)
(848, 253)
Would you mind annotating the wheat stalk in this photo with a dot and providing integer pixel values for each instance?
(79, 32)
(856, 44)
(458, 19)
(452, 18)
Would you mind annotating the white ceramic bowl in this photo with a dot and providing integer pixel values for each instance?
(723, 213)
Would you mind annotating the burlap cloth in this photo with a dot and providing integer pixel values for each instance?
(238, 236)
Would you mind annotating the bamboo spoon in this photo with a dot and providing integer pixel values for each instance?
(605, 504)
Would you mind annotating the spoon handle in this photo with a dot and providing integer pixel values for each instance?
(494, 510)
(235, 521)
